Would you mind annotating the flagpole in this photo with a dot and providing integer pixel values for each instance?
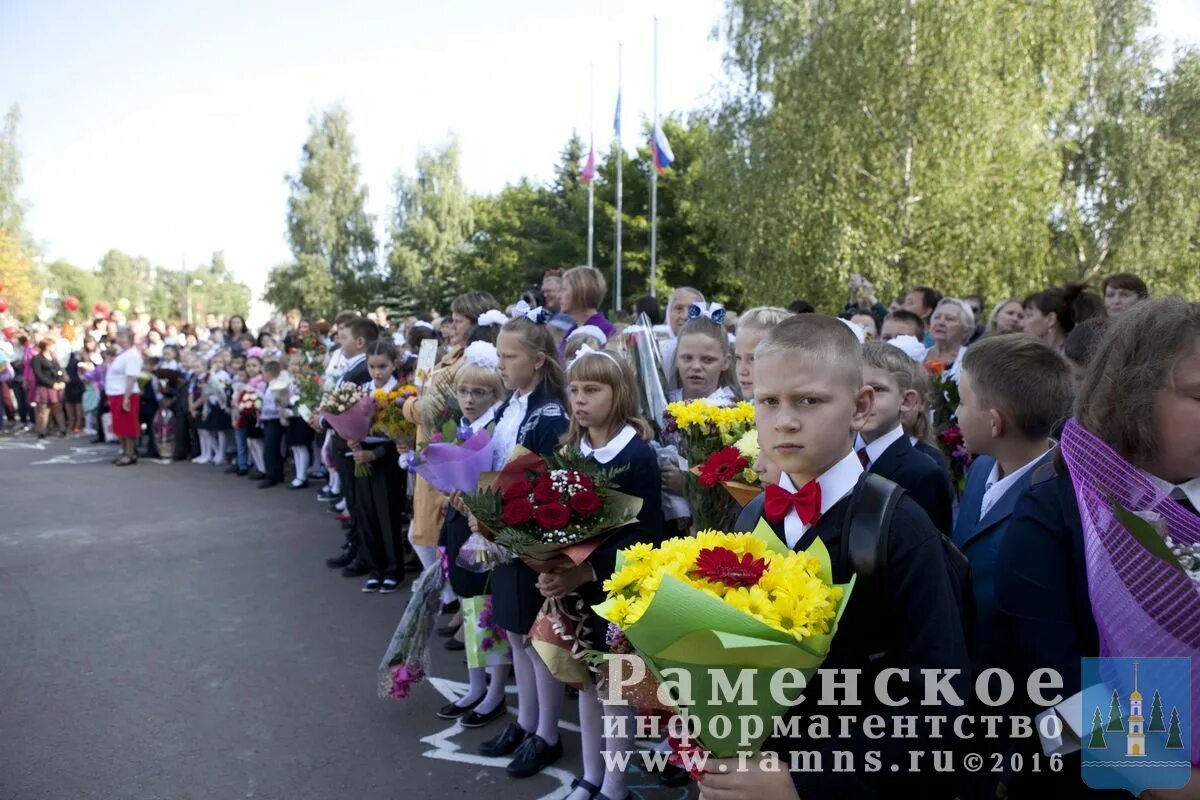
(620, 159)
(592, 145)
(654, 173)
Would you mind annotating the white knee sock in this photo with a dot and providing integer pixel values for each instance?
(591, 740)
(476, 687)
(428, 555)
(300, 455)
(335, 482)
(206, 446)
(495, 689)
(614, 779)
(550, 698)
(222, 446)
(527, 694)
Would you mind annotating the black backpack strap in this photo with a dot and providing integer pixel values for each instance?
(864, 545)
(747, 519)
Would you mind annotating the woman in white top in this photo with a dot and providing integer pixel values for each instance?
(120, 382)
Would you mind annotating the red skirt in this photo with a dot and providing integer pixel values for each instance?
(125, 423)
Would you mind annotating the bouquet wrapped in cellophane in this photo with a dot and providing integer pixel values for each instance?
(703, 428)
(406, 660)
(389, 419)
(249, 403)
(349, 410)
(732, 467)
(646, 359)
(722, 603)
(541, 508)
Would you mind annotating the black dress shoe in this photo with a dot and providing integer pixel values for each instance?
(344, 560)
(241, 473)
(533, 756)
(448, 630)
(455, 644)
(255, 475)
(355, 569)
(506, 743)
(232, 469)
(477, 720)
(451, 608)
(298, 485)
(454, 711)
(267, 483)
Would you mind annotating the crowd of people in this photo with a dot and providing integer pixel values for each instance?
(835, 396)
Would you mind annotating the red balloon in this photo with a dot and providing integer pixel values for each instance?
(72, 303)
(3, 304)
(101, 307)
(10, 332)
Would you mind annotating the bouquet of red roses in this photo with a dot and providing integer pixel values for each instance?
(541, 508)
(249, 403)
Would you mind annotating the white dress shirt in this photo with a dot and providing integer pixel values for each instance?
(484, 420)
(127, 364)
(995, 486)
(722, 396)
(878, 447)
(347, 365)
(611, 450)
(836, 482)
(504, 435)
(1181, 491)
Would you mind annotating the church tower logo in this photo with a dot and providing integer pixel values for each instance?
(1122, 749)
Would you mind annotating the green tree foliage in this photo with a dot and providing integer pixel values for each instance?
(123, 276)
(1175, 735)
(69, 280)
(331, 235)
(12, 208)
(1114, 714)
(431, 223)
(1096, 740)
(209, 289)
(1156, 715)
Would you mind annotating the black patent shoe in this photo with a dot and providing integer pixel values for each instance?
(477, 720)
(506, 743)
(454, 711)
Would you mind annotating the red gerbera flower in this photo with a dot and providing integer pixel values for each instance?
(722, 565)
(723, 465)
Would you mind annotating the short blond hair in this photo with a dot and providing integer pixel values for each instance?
(761, 318)
(826, 340)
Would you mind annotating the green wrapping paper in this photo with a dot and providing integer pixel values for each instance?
(687, 629)
(485, 646)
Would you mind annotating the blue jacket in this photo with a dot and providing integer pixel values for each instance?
(980, 539)
(924, 481)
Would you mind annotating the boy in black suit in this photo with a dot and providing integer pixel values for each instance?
(881, 445)
(810, 400)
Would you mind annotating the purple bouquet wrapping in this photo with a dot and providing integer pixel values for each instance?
(1144, 602)
(455, 467)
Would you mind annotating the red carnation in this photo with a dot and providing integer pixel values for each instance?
(722, 565)
(544, 491)
(552, 516)
(517, 512)
(518, 489)
(723, 465)
(586, 503)
(952, 437)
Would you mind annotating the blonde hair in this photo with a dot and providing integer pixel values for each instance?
(479, 375)
(824, 339)
(587, 286)
(534, 339)
(575, 343)
(761, 318)
(703, 326)
(881, 355)
(614, 372)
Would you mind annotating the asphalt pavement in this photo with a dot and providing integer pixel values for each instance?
(169, 631)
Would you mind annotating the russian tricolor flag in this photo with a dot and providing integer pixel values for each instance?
(663, 157)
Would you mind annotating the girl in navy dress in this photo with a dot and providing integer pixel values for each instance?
(607, 427)
(535, 418)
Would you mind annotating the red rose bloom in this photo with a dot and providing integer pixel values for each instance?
(518, 489)
(586, 503)
(552, 516)
(544, 491)
(517, 511)
(584, 481)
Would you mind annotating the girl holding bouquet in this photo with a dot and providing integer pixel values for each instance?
(607, 427)
(480, 391)
(379, 495)
(535, 418)
(215, 422)
(256, 467)
(298, 435)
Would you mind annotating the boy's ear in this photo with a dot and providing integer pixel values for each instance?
(909, 400)
(864, 401)
(998, 423)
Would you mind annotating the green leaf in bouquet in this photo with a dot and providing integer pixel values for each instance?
(449, 430)
(1146, 535)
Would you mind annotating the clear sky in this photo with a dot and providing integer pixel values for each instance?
(165, 129)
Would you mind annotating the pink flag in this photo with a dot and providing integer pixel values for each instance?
(589, 168)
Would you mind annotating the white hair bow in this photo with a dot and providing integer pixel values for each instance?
(482, 354)
(855, 328)
(538, 316)
(711, 311)
(589, 330)
(491, 317)
(587, 350)
(910, 346)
